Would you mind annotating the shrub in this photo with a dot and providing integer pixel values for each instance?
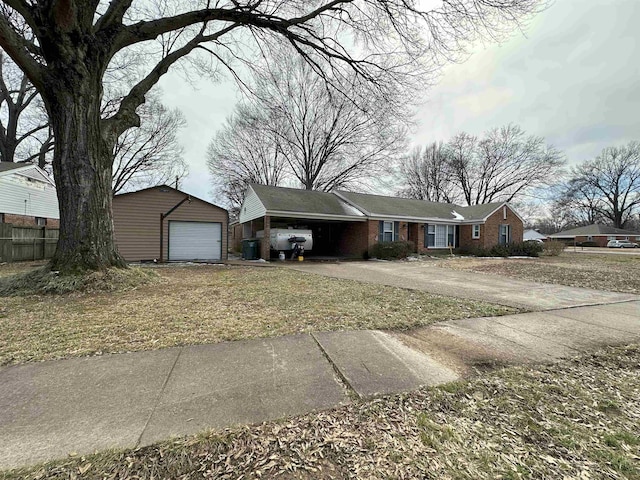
(526, 249)
(392, 250)
(553, 248)
(588, 244)
(499, 251)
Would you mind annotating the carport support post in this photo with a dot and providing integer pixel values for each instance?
(265, 247)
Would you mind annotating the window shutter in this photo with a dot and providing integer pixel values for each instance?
(426, 235)
(396, 231)
(380, 231)
(508, 233)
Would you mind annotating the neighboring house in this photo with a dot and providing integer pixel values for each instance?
(349, 224)
(162, 223)
(533, 235)
(599, 234)
(27, 196)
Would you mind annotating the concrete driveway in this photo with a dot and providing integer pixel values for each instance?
(427, 277)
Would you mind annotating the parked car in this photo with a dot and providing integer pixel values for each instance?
(621, 244)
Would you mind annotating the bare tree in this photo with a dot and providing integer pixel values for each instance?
(150, 154)
(245, 152)
(578, 203)
(504, 164)
(609, 185)
(425, 174)
(67, 46)
(144, 156)
(23, 122)
(294, 125)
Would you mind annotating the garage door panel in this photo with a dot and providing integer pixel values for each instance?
(195, 241)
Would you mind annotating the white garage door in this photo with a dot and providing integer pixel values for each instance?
(195, 241)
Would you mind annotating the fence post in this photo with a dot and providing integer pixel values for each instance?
(6, 242)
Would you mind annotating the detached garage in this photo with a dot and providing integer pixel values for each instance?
(165, 224)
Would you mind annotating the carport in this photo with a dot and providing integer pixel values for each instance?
(339, 229)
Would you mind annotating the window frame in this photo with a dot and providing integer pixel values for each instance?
(434, 231)
(386, 231)
(506, 234)
(475, 231)
(41, 221)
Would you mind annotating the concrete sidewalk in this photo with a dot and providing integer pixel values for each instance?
(427, 277)
(50, 409)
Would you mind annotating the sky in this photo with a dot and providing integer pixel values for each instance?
(572, 76)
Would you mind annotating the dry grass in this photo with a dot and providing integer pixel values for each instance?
(578, 419)
(616, 273)
(210, 304)
(7, 269)
(42, 281)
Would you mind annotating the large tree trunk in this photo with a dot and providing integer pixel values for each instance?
(82, 166)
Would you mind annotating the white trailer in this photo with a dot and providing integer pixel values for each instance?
(280, 238)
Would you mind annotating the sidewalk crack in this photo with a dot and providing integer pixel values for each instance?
(158, 397)
(351, 392)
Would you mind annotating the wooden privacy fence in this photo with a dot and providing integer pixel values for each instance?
(26, 243)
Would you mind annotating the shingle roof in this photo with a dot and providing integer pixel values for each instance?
(6, 166)
(379, 205)
(279, 199)
(479, 212)
(595, 229)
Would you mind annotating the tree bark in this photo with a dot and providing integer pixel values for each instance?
(82, 167)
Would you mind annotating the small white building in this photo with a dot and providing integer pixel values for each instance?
(533, 235)
(27, 196)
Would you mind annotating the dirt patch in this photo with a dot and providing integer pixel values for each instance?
(464, 357)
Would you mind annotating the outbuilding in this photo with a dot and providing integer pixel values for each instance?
(595, 234)
(165, 224)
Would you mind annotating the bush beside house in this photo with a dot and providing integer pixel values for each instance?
(392, 250)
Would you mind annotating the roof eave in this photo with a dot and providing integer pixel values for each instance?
(315, 216)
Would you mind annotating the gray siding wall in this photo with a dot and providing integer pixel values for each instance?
(136, 218)
(252, 207)
(19, 196)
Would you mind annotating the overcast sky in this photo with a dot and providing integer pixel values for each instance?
(573, 78)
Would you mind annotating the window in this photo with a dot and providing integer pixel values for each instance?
(451, 236)
(476, 231)
(387, 231)
(504, 236)
(1, 217)
(431, 236)
(41, 222)
(440, 236)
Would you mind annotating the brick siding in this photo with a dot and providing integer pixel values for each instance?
(490, 231)
(28, 221)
